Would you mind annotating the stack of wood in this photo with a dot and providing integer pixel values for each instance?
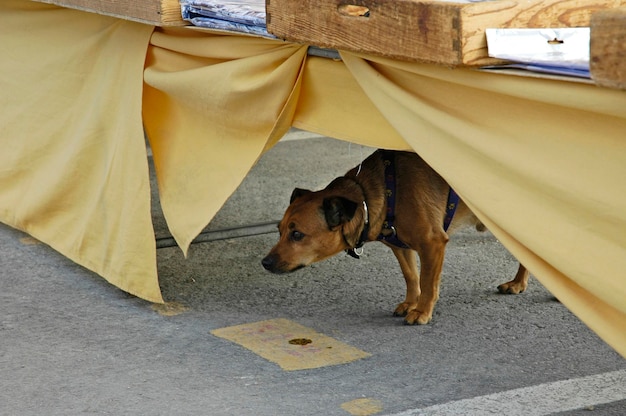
(446, 32)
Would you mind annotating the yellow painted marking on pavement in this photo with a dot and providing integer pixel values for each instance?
(363, 407)
(29, 241)
(270, 339)
(169, 308)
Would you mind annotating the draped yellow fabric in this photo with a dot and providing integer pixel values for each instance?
(73, 165)
(214, 102)
(211, 106)
(541, 162)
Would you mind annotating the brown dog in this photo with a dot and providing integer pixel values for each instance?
(361, 206)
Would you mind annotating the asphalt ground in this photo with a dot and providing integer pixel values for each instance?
(70, 343)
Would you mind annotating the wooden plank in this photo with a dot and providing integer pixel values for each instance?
(608, 48)
(438, 31)
(522, 14)
(397, 29)
(154, 12)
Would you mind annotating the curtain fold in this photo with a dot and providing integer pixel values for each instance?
(212, 104)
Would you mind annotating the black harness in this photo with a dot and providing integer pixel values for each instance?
(391, 235)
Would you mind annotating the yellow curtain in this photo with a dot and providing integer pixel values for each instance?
(212, 104)
(541, 162)
(73, 165)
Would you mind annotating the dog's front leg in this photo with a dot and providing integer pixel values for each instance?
(431, 258)
(408, 264)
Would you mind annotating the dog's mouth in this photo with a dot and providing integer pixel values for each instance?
(285, 271)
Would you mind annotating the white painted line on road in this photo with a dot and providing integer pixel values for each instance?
(539, 400)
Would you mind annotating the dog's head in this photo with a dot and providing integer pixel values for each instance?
(316, 225)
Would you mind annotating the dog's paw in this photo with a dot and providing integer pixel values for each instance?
(403, 308)
(512, 287)
(416, 317)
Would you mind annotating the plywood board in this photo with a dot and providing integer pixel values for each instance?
(608, 48)
(155, 12)
(291, 345)
(438, 31)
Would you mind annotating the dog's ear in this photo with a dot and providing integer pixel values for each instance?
(297, 193)
(338, 210)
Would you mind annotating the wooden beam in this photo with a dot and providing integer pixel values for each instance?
(608, 48)
(438, 31)
(154, 12)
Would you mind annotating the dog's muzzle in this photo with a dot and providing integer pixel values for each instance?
(272, 263)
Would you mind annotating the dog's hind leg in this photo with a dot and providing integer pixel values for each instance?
(408, 264)
(518, 284)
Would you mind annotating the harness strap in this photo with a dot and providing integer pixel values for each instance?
(451, 205)
(390, 191)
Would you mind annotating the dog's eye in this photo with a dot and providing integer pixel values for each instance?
(296, 236)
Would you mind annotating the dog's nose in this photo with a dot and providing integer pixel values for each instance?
(268, 262)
